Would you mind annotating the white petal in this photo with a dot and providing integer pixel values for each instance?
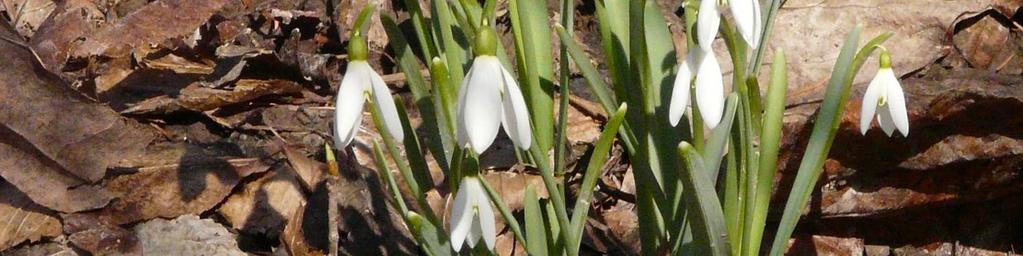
(680, 91)
(383, 99)
(707, 21)
(348, 105)
(485, 219)
(710, 90)
(758, 24)
(884, 118)
(462, 135)
(461, 214)
(897, 103)
(745, 19)
(481, 112)
(515, 114)
(870, 101)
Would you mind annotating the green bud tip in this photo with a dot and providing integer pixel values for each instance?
(357, 49)
(886, 59)
(486, 41)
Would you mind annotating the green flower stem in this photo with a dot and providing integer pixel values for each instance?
(742, 141)
(567, 13)
(403, 168)
(509, 219)
(772, 11)
(552, 190)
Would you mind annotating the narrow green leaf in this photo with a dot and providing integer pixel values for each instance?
(425, 39)
(433, 239)
(408, 64)
(707, 218)
(593, 172)
(769, 145)
(406, 172)
(613, 19)
(536, 231)
(715, 146)
(531, 29)
(454, 53)
(822, 136)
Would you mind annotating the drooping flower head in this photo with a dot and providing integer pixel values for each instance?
(710, 90)
(747, 19)
(489, 99)
(885, 98)
(361, 81)
(472, 217)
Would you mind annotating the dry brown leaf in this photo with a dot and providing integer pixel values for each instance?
(54, 39)
(22, 220)
(192, 186)
(310, 172)
(512, 187)
(265, 205)
(56, 139)
(194, 97)
(369, 225)
(294, 239)
(100, 237)
(153, 23)
(28, 14)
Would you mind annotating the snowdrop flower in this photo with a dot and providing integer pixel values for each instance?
(710, 91)
(361, 81)
(489, 98)
(884, 95)
(472, 217)
(747, 19)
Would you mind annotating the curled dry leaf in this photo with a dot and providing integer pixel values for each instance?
(22, 220)
(54, 139)
(186, 235)
(265, 205)
(294, 239)
(100, 237)
(153, 23)
(192, 186)
(194, 97)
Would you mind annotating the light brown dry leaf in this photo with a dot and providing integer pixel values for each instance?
(22, 220)
(310, 172)
(194, 97)
(294, 239)
(192, 186)
(28, 14)
(153, 23)
(265, 205)
(512, 187)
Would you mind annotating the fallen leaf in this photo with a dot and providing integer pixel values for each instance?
(310, 172)
(55, 38)
(197, 98)
(512, 187)
(369, 225)
(100, 237)
(294, 239)
(22, 220)
(186, 235)
(197, 183)
(28, 14)
(153, 23)
(265, 205)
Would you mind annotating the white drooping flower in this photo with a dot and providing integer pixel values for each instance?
(885, 98)
(710, 90)
(747, 19)
(472, 217)
(489, 99)
(360, 81)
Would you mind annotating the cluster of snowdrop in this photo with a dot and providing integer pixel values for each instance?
(489, 99)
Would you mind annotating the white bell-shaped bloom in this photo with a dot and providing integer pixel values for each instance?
(747, 19)
(710, 89)
(884, 97)
(680, 91)
(708, 19)
(472, 217)
(488, 99)
(359, 81)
